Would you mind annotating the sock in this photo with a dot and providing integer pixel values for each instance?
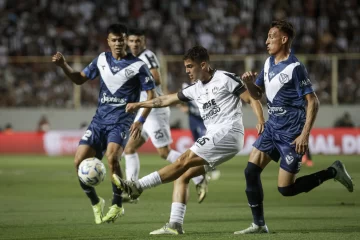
(254, 192)
(177, 213)
(173, 156)
(198, 179)
(132, 166)
(117, 198)
(91, 193)
(308, 182)
(149, 181)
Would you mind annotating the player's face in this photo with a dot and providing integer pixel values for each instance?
(275, 41)
(117, 43)
(136, 44)
(193, 69)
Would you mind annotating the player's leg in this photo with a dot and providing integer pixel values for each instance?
(116, 140)
(200, 181)
(132, 162)
(179, 201)
(90, 146)
(289, 185)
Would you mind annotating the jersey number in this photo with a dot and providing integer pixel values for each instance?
(202, 140)
(86, 136)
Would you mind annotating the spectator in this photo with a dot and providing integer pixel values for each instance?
(43, 125)
(344, 121)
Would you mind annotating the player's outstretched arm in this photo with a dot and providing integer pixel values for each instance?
(257, 108)
(159, 102)
(249, 79)
(76, 77)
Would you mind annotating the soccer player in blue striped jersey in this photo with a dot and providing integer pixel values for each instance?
(122, 77)
(288, 90)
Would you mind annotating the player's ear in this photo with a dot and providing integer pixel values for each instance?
(284, 39)
(203, 65)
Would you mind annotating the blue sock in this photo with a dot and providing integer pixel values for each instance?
(91, 193)
(117, 198)
(254, 192)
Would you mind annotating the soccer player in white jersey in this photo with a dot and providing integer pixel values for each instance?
(288, 90)
(122, 76)
(157, 124)
(217, 95)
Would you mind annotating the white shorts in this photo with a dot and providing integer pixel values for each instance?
(157, 127)
(218, 146)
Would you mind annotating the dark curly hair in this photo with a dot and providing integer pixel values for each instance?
(117, 28)
(197, 54)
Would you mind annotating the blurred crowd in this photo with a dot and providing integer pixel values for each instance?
(77, 27)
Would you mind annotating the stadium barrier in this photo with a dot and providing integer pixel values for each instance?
(330, 141)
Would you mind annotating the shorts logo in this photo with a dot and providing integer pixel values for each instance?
(289, 159)
(123, 135)
(284, 78)
(159, 134)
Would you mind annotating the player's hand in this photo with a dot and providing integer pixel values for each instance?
(260, 127)
(132, 107)
(301, 144)
(249, 77)
(58, 59)
(135, 130)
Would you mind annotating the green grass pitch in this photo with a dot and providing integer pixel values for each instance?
(40, 198)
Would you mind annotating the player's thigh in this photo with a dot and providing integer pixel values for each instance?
(134, 144)
(189, 159)
(157, 128)
(259, 158)
(117, 137)
(285, 178)
(83, 152)
(193, 172)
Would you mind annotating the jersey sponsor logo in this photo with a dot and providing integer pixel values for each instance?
(277, 111)
(284, 78)
(209, 104)
(114, 101)
(211, 114)
(289, 159)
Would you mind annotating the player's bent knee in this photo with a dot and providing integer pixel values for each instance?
(287, 191)
(164, 152)
(252, 171)
(129, 150)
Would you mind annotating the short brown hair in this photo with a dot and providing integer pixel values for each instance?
(197, 54)
(285, 27)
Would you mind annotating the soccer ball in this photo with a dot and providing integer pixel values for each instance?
(91, 172)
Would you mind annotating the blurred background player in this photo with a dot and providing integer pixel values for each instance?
(121, 77)
(197, 127)
(217, 94)
(288, 90)
(157, 124)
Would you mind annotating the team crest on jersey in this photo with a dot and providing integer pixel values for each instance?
(289, 159)
(271, 74)
(215, 90)
(284, 78)
(129, 73)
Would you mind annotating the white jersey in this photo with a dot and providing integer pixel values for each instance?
(218, 100)
(151, 61)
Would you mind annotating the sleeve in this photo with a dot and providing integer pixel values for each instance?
(187, 94)
(234, 84)
(260, 79)
(301, 80)
(146, 79)
(91, 71)
(151, 60)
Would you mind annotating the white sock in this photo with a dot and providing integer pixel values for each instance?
(197, 179)
(132, 166)
(173, 156)
(149, 181)
(177, 212)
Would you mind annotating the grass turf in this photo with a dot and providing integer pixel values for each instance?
(40, 198)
